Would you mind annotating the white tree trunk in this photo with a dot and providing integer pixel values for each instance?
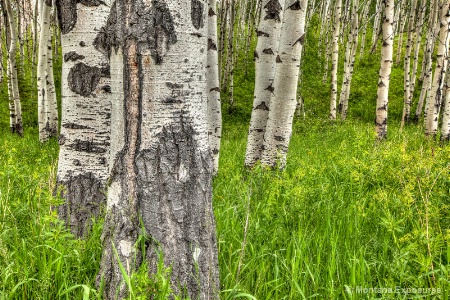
(335, 59)
(407, 67)
(434, 103)
(265, 61)
(85, 125)
(16, 125)
(385, 70)
(161, 168)
(284, 98)
(213, 86)
(445, 130)
(419, 31)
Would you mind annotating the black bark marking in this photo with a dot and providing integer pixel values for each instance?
(106, 39)
(91, 3)
(278, 60)
(270, 88)
(211, 12)
(88, 146)
(279, 138)
(83, 79)
(106, 89)
(82, 44)
(67, 14)
(75, 126)
(216, 89)
(268, 51)
(62, 139)
(212, 45)
(177, 95)
(84, 195)
(262, 33)
(262, 106)
(295, 6)
(255, 55)
(197, 14)
(273, 9)
(73, 56)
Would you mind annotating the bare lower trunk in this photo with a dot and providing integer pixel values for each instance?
(14, 98)
(434, 103)
(385, 70)
(284, 98)
(335, 59)
(161, 163)
(266, 54)
(85, 125)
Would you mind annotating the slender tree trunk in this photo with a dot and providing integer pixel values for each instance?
(407, 67)
(160, 191)
(445, 130)
(265, 61)
(376, 24)
(335, 59)
(85, 125)
(14, 98)
(434, 103)
(419, 30)
(385, 70)
(284, 97)
(213, 86)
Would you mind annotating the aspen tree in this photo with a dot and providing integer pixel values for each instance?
(403, 20)
(364, 22)
(335, 59)
(407, 67)
(419, 30)
(212, 86)
(434, 103)
(161, 168)
(445, 130)
(265, 55)
(385, 69)
(350, 55)
(284, 98)
(15, 108)
(85, 124)
(376, 24)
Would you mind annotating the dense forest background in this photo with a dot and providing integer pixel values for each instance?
(348, 213)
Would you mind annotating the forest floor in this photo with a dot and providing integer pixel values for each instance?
(347, 214)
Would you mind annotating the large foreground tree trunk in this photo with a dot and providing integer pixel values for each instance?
(160, 188)
(265, 61)
(85, 125)
(284, 99)
(385, 70)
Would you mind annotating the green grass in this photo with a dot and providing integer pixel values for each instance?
(346, 212)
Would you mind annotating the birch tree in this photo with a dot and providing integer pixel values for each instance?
(434, 103)
(445, 130)
(266, 55)
(385, 69)
(335, 59)
(284, 97)
(161, 163)
(85, 126)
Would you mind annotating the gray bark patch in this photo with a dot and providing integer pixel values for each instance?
(88, 146)
(273, 10)
(211, 45)
(67, 12)
(84, 195)
(107, 39)
(83, 79)
(295, 5)
(197, 14)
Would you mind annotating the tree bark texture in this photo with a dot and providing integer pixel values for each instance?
(284, 97)
(385, 70)
(86, 114)
(161, 163)
(434, 103)
(213, 86)
(266, 58)
(335, 59)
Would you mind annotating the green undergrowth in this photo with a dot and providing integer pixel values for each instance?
(347, 213)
